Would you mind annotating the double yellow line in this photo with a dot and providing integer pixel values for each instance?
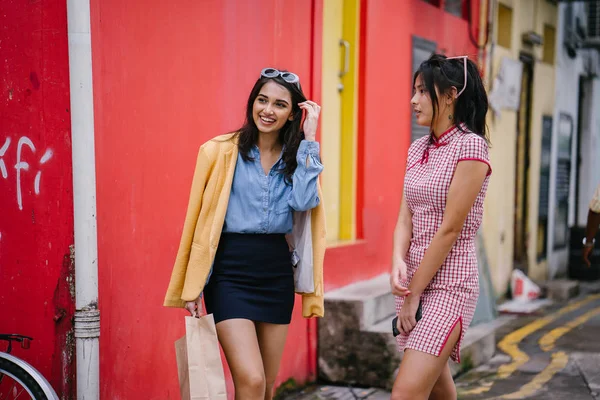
(510, 345)
(559, 359)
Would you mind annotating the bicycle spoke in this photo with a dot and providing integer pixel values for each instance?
(17, 382)
(8, 393)
(19, 395)
(15, 395)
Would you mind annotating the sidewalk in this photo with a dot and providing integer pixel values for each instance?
(325, 392)
(553, 356)
(570, 327)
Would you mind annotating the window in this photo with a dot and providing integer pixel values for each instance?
(421, 51)
(549, 44)
(504, 26)
(454, 7)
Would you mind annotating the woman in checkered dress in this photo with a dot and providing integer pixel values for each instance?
(434, 257)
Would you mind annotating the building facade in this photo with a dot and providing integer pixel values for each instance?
(36, 222)
(575, 151)
(521, 80)
(167, 76)
(543, 87)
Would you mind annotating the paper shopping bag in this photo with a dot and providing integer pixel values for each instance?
(199, 365)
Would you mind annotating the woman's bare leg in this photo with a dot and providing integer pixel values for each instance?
(419, 372)
(240, 344)
(271, 340)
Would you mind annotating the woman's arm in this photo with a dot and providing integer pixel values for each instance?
(464, 189)
(304, 195)
(402, 236)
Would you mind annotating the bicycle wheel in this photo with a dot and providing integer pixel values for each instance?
(17, 383)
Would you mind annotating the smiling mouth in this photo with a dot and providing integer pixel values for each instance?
(266, 120)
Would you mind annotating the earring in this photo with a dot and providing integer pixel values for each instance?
(450, 117)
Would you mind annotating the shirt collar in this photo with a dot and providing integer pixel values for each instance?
(255, 148)
(255, 153)
(445, 137)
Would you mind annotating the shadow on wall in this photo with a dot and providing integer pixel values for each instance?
(486, 310)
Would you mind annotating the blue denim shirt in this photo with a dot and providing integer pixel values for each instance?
(262, 203)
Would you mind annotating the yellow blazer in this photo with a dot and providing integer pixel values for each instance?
(204, 220)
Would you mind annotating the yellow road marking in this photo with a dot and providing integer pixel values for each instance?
(548, 341)
(510, 343)
(559, 361)
(477, 390)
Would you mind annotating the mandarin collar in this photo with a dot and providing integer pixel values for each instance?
(443, 140)
(444, 137)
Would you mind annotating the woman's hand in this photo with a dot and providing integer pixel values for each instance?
(407, 315)
(587, 250)
(398, 275)
(195, 308)
(311, 119)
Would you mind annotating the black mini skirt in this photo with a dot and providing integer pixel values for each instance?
(252, 279)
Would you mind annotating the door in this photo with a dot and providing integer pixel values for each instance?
(521, 233)
(339, 98)
(585, 181)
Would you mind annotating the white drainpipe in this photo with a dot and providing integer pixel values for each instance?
(87, 316)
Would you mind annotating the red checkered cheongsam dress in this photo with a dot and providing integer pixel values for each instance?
(451, 296)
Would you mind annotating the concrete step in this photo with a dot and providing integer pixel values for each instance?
(356, 345)
(358, 358)
(368, 302)
(478, 345)
(560, 289)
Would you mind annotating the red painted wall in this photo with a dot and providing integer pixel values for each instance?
(167, 77)
(384, 122)
(37, 229)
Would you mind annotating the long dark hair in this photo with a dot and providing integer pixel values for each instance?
(290, 134)
(472, 105)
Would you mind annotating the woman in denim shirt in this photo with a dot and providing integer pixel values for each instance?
(250, 290)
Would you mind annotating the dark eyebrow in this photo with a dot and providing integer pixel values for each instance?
(419, 87)
(267, 97)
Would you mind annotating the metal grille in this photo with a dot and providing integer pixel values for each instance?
(594, 19)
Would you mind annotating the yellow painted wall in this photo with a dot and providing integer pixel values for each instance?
(498, 221)
(498, 214)
(547, 14)
(543, 104)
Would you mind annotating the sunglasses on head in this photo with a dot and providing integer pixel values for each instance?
(464, 58)
(289, 77)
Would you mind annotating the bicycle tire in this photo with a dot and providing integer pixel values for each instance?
(23, 377)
